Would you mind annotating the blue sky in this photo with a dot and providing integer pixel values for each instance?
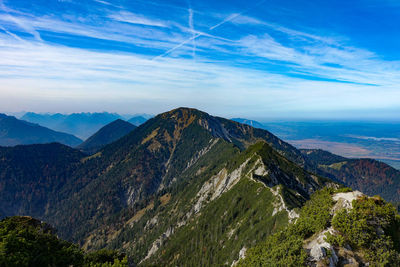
(257, 59)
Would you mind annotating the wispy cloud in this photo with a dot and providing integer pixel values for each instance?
(21, 23)
(322, 59)
(11, 34)
(56, 73)
(103, 2)
(128, 17)
(191, 27)
(242, 19)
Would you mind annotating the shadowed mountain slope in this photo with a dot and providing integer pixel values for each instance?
(370, 176)
(18, 132)
(32, 175)
(106, 135)
(137, 120)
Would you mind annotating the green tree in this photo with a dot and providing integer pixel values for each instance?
(25, 241)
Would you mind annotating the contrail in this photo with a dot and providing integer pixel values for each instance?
(196, 36)
(191, 26)
(229, 18)
(11, 34)
(178, 46)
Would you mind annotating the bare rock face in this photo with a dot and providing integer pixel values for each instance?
(318, 247)
(242, 254)
(344, 200)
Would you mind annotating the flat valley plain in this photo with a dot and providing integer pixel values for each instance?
(352, 139)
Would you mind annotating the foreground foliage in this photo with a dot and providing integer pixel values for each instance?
(370, 229)
(25, 241)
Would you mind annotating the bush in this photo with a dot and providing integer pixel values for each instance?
(103, 256)
(368, 228)
(25, 241)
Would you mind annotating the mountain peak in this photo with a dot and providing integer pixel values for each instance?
(183, 113)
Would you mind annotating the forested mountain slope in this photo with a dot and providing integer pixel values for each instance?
(32, 176)
(150, 162)
(370, 176)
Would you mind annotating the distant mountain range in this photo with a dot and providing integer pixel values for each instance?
(16, 132)
(106, 135)
(82, 125)
(184, 189)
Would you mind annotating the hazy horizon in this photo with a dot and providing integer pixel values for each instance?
(260, 119)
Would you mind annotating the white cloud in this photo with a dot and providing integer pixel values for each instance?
(243, 19)
(22, 24)
(323, 60)
(55, 74)
(103, 2)
(128, 17)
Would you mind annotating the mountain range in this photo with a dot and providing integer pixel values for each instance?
(82, 125)
(183, 189)
(16, 132)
